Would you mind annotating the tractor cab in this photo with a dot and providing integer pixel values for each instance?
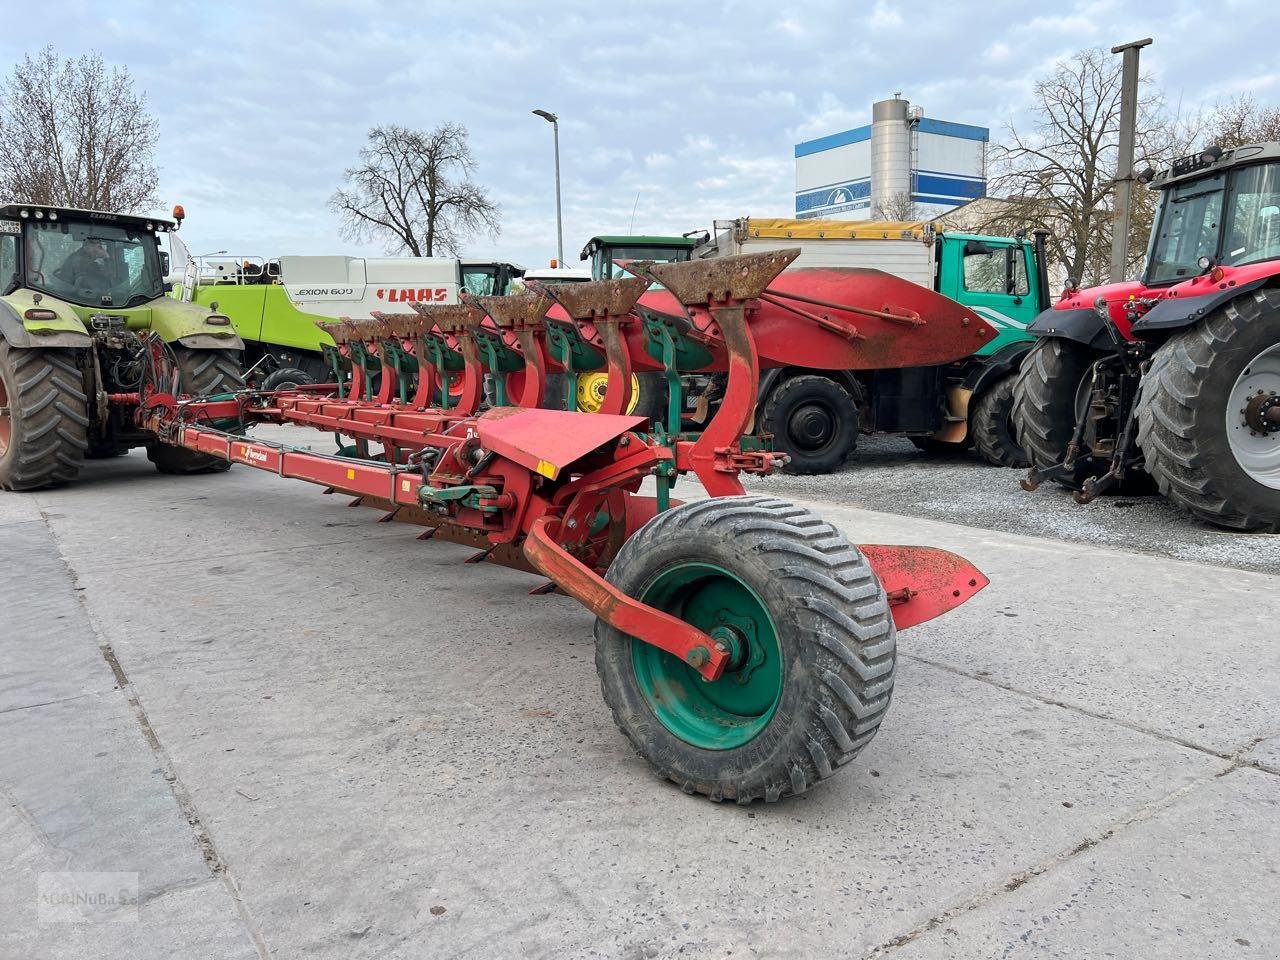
(608, 255)
(1218, 209)
(81, 257)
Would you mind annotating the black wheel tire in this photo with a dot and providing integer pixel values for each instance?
(650, 401)
(991, 425)
(835, 632)
(1182, 415)
(47, 420)
(1044, 403)
(201, 373)
(941, 448)
(286, 378)
(813, 420)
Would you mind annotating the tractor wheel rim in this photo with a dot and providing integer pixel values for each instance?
(593, 386)
(6, 419)
(1253, 432)
(811, 427)
(733, 710)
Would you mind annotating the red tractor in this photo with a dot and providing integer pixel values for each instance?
(1176, 373)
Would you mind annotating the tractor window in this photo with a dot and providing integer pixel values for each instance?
(1189, 225)
(995, 269)
(8, 262)
(93, 264)
(1253, 218)
(607, 266)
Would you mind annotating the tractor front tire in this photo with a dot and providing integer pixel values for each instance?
(811, 632)
(44, 420)
(286, 378)
(991, 425)
(201, 373)
(1045, 395)
(1207, 420)
(813, 420)
(648, 394)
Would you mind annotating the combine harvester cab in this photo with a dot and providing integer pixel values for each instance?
(1176, 375)
(745, 647)
(84, 288)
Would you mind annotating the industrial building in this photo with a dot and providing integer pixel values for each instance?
(901, 166)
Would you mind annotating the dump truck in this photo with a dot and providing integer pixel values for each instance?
(275, 303)
(816, 415)
(80, 290)
(1173, 376)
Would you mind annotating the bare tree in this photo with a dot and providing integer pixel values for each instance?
(1240, 120)
(899, 207)
(74, 134)
(1059, 174)
(413, 190)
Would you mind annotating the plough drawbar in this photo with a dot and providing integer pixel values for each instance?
(745, 647)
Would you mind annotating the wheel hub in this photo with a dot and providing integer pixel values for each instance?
(1262, 413)
(811, 427)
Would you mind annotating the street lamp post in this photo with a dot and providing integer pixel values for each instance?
(552, 119)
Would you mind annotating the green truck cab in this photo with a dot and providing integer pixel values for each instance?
(77, 289)
(816, 416)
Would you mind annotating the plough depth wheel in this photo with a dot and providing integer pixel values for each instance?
(811, 638)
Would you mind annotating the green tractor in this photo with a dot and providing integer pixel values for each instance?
(79, 292)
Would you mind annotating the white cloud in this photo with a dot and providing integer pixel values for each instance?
(884, 16)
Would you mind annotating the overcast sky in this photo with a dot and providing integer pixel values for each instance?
(692, 108)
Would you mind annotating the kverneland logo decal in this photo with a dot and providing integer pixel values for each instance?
(420, 295)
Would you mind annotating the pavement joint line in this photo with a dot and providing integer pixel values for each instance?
(1017, 879)
(1233, 755)
(46, 703)
(182, 796)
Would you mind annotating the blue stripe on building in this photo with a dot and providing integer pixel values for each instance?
(857, 135)
(962, 188)
(947, 129)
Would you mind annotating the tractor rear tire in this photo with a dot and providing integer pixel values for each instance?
(1191, 415)
(201, 373)
(815, 649)
(814, 421)
(44, 420)
(991, 425)
(1044, 403)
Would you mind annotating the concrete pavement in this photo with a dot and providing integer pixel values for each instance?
(310, 734)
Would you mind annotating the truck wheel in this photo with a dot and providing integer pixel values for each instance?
(1045, 398)
(286, 378)
(201, 374)
(44, 421)
(648, 393)
(991, 425)
(813, 641)
(814, 420)
(1209, 415)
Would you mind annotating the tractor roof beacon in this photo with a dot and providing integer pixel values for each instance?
(1183, 363)
(82, 312)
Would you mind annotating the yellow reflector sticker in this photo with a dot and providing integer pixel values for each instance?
(351, 474)
(548, 470)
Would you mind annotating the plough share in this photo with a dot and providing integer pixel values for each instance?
(745, 647)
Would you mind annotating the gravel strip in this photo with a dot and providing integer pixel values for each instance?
(890, 475)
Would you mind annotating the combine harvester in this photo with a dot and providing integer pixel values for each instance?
(745, 647)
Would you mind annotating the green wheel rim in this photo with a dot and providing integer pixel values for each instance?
(733, 710)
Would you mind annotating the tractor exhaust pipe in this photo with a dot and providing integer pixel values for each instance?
(1039, 240)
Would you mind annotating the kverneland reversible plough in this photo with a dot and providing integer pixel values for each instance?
(745, 647)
